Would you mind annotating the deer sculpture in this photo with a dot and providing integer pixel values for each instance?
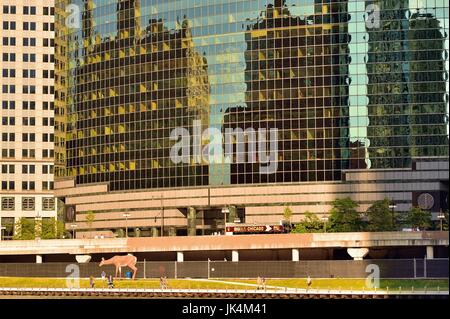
(121, 261)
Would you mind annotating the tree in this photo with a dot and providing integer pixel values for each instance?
(380, 216)
(24, 229)
(344, 217)
(287, 214)
(310, 224)
(61, 231)
(48, 228)
(418, 218)
(90, 218)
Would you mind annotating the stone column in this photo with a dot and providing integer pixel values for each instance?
(234, 255)
(295, 254)
(191, 221)
(180, 256)
(38, 259)
(430, 252)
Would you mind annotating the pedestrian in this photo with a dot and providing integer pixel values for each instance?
(263, 281)
(258, 283)
(91, 282)
(166, 285)
(103, 275)
(110, 282)
(308, 282)
(161, 282)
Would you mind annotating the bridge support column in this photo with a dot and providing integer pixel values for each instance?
(357, 253)
(38, 259)
(191, 221)
(295, 254)
(430, 252)
(180, 256)
(234, 255)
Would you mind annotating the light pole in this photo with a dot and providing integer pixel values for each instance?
(126, 215)
(73, 226)
(441, 217)
(392, 207)
(37, 226)
(325, 220)
(225, 211)
(1, 232)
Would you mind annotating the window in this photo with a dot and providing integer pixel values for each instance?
(28, 186)
(11, 57)
(8, 120)
(47, 153)
(29, 121)
(29, 26)
(29, 42)
(47, 169)
(47, 186)
(48, 42)
(9, 25)
(29, 89)
(9, 41)
(8, 105)
(8, 169)
(8, 185)
(29, 57)
(28, 137)
(31, 153)
(47, 137)
(48, 203)
(29, 73)
(28, 203)
(9, 88)
(28, 169)
(29, 10)
(7, 203)
(48, 105)
(8, 137)
(47, 89)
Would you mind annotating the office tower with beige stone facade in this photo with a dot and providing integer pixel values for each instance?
(27, 112)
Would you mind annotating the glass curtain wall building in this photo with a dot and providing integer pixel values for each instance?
(351, 88)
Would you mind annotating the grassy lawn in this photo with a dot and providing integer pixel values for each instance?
(360, 284)
(20, 282)
(344, 284)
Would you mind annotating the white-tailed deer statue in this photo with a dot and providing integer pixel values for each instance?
(121, 261)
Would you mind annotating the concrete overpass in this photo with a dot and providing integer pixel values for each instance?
(358, 245)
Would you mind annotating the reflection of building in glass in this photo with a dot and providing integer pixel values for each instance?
(296, 82)
(131, 92)
(406, 89)
(360, 112)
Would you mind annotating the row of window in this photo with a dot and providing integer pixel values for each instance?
(27, 89)
(28, 203)
(26, 169)
(28, 73)
(27, 153)
(28, 137)
(26, 57)
(27, 105)
(28, 10)
(26, 185)
(28, 26)
(11, 41)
